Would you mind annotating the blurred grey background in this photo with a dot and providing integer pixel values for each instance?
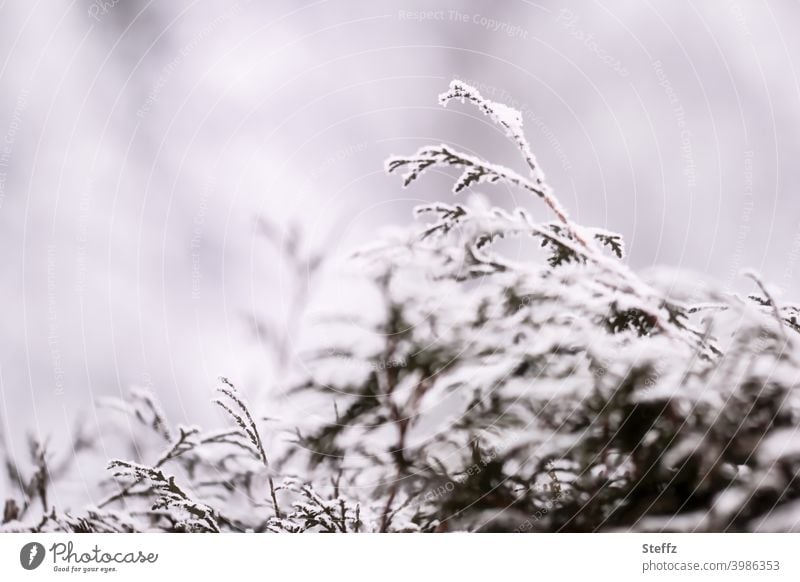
(142, 142)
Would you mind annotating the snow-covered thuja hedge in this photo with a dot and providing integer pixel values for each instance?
(561, 394)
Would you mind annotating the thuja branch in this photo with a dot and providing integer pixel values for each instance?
(476, 170)
(238, 410)
(182, 444)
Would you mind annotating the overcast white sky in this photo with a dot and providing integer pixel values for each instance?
(141, 140)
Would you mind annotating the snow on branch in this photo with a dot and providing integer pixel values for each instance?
(508, 118)
(476, 170)
(555, 389)
(169, 495)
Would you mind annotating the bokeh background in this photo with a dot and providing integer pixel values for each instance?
(146, 147)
